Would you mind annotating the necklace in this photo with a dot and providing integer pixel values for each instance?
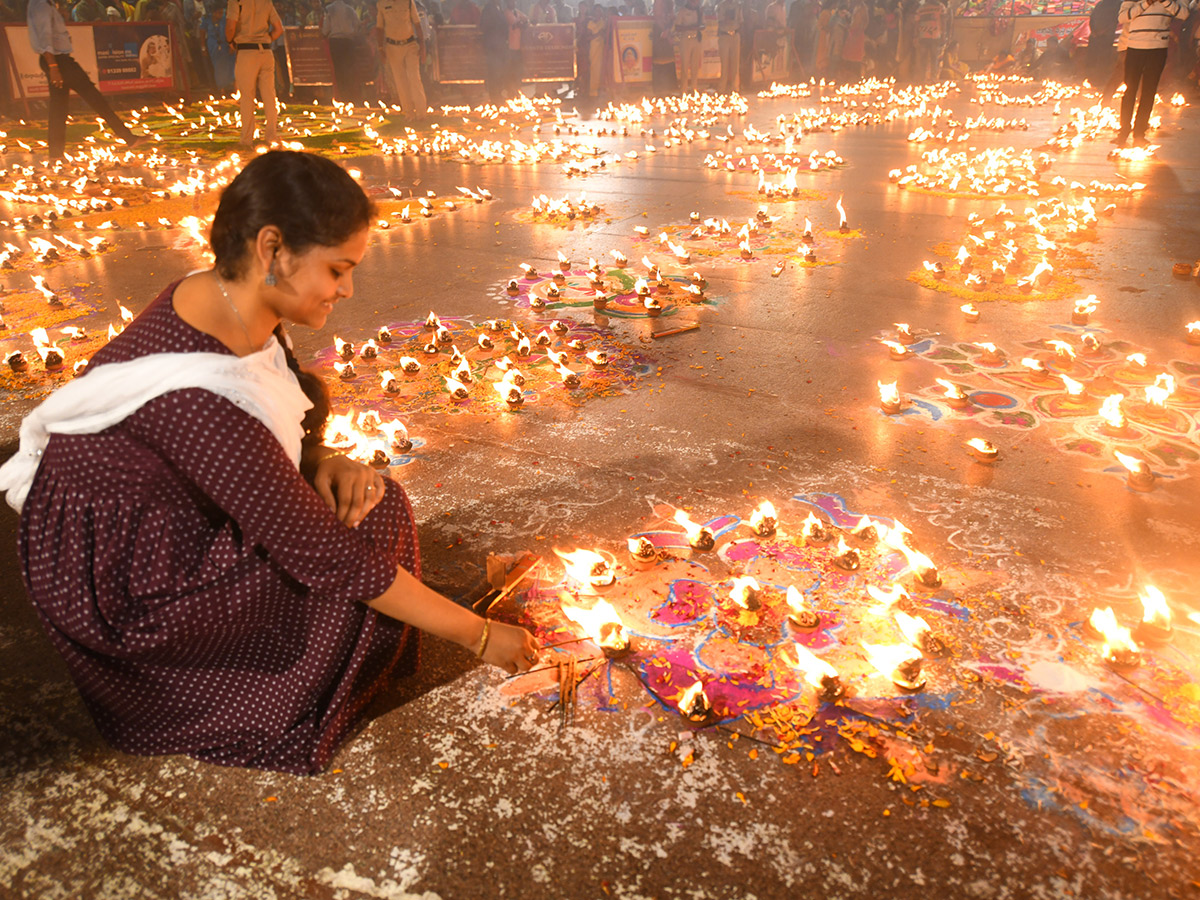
(241, 321)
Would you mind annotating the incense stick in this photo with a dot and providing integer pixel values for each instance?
(547, 668)
(680, 330)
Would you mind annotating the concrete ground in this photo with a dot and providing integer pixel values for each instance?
(1028, 768)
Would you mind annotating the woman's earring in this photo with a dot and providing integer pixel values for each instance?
(270, 279)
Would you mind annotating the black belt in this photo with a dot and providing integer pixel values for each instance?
(253, 46)
(401, 43)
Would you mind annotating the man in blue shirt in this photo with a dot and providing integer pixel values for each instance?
(50, 41)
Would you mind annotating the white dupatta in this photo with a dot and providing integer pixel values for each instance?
(260, 384)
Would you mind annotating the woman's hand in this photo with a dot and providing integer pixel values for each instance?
(351, 489)
(510, 647)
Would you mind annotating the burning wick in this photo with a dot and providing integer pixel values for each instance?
(936, 269)
(918, 633)
(889, 398)
(643, 552)
(843, 225)
(699, 537)
(744, 591)
(1083, 310)
(602, 624)
(904, 333)
(397, 436)
(1091, 344)
(1115, 422)
(819, 674)
(588, 568)
(802, 616)
(1193, 332)
(847, 557)
(1155, 627)
(983, 450)
(1036, 367)
(1141, 477)
(346, 371)
(970, 313)
(954, 395)
(344, 349)
(897, 351)
(814, 530)
(695, 705)
(991, 353)
(901, 662)
(510, 394)
(16, 361)
(1119, 650)
(763, 520)
(384, 335)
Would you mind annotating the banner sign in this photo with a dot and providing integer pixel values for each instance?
(633, 50)
(308, 60)
(547, 54)
(119, 57)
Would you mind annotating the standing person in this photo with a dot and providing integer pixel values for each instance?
(543, 13)
(662, 47)
(402, 40)
(219, 582)
(49, 39)
(1147, 25)
(493, 26)
(340, 27)
(689, 28)
(729, 26)
(516, 25)
(854, 49)
(930, 24)
(250, 27)
(219, 54)
(89, 11)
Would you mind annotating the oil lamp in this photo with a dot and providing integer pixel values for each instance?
(603, 625)
(843, 224)
(456, 389)
(510, 394)
(699, 537)
(588, 569)
(802, 616)
(695, 706)
(344, 349)
(983, 450)
(370, 350)
(483, 342)
(819, 674)
(1155, 627)
(976, 282)
(346, 371)
(543, 338)
(889, 398)
(745, 592)
(814, 530)
(1090, 343)
(808, 231)
(845, 556)
(885, 600)
(558, 326)
(963, 258)
(643, 553)
(991, 353)
(432, 322)
(999, 272)
(918, 633)
(900, 662)
(1141, 477)
(52, 356)
(763, 521)
(511, 372)
(1037, 368)
(563, 262)
(652, 306)
(577, 345)
(389, 382)
(16, 361)
(904, 333)
(1115, 423)
(936, 269)
(1193, 332)
(954, 396)
(1120, 651)
(897, 351)
(530, 271)
(384, 335)
(513, 287)
(598, 359)
(495, 326)
(443, 335)
(569, 378)
(397, 435)
(970, 313)
(410, 366)
(1083, 310)
(1064, 353)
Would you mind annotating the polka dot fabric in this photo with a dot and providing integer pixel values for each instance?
(205, 599)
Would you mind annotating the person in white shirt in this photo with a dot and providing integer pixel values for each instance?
(1147, 27)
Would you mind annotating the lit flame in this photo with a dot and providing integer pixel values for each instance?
(455, 388)
(693, 529)
(740, 589)
(587, 567)
(815, 669)
(601, 623)
(1062, 350)
(1138, 359)
(884, 600)
(1154, 608)
(888, 393)
(953, 391)
(40, 283)
(1134, 465)
(1086, 306)
(914, 628)
(694, 703)
(1117, 639)
(982, 447)
(763, 517)
(1110, 411)
(1074, 388)
(918, 563)
(887, 658)
(895, 348)
(843, 221)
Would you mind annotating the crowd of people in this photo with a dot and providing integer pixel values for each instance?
(911, 40)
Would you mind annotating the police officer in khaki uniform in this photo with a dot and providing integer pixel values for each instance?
(403, 43)
(250, 27)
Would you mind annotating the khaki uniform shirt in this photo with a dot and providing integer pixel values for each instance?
(398, 19)
(255, 20)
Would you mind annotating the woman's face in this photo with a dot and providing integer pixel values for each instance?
(314, 281)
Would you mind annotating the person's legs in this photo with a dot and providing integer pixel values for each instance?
(1152, 70)
(341, 54)
(245, 77)
(417, 104)
(266, 89)
(56, 136)
(1134, 63)
(727, 47)
(75, 79)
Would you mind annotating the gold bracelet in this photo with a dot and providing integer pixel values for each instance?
(487, 628)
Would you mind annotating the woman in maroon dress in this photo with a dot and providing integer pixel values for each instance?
(217, 586)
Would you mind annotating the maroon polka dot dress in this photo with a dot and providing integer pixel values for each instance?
(205, 599)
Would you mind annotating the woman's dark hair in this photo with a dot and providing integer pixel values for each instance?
(314, 203)
(311, 200)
